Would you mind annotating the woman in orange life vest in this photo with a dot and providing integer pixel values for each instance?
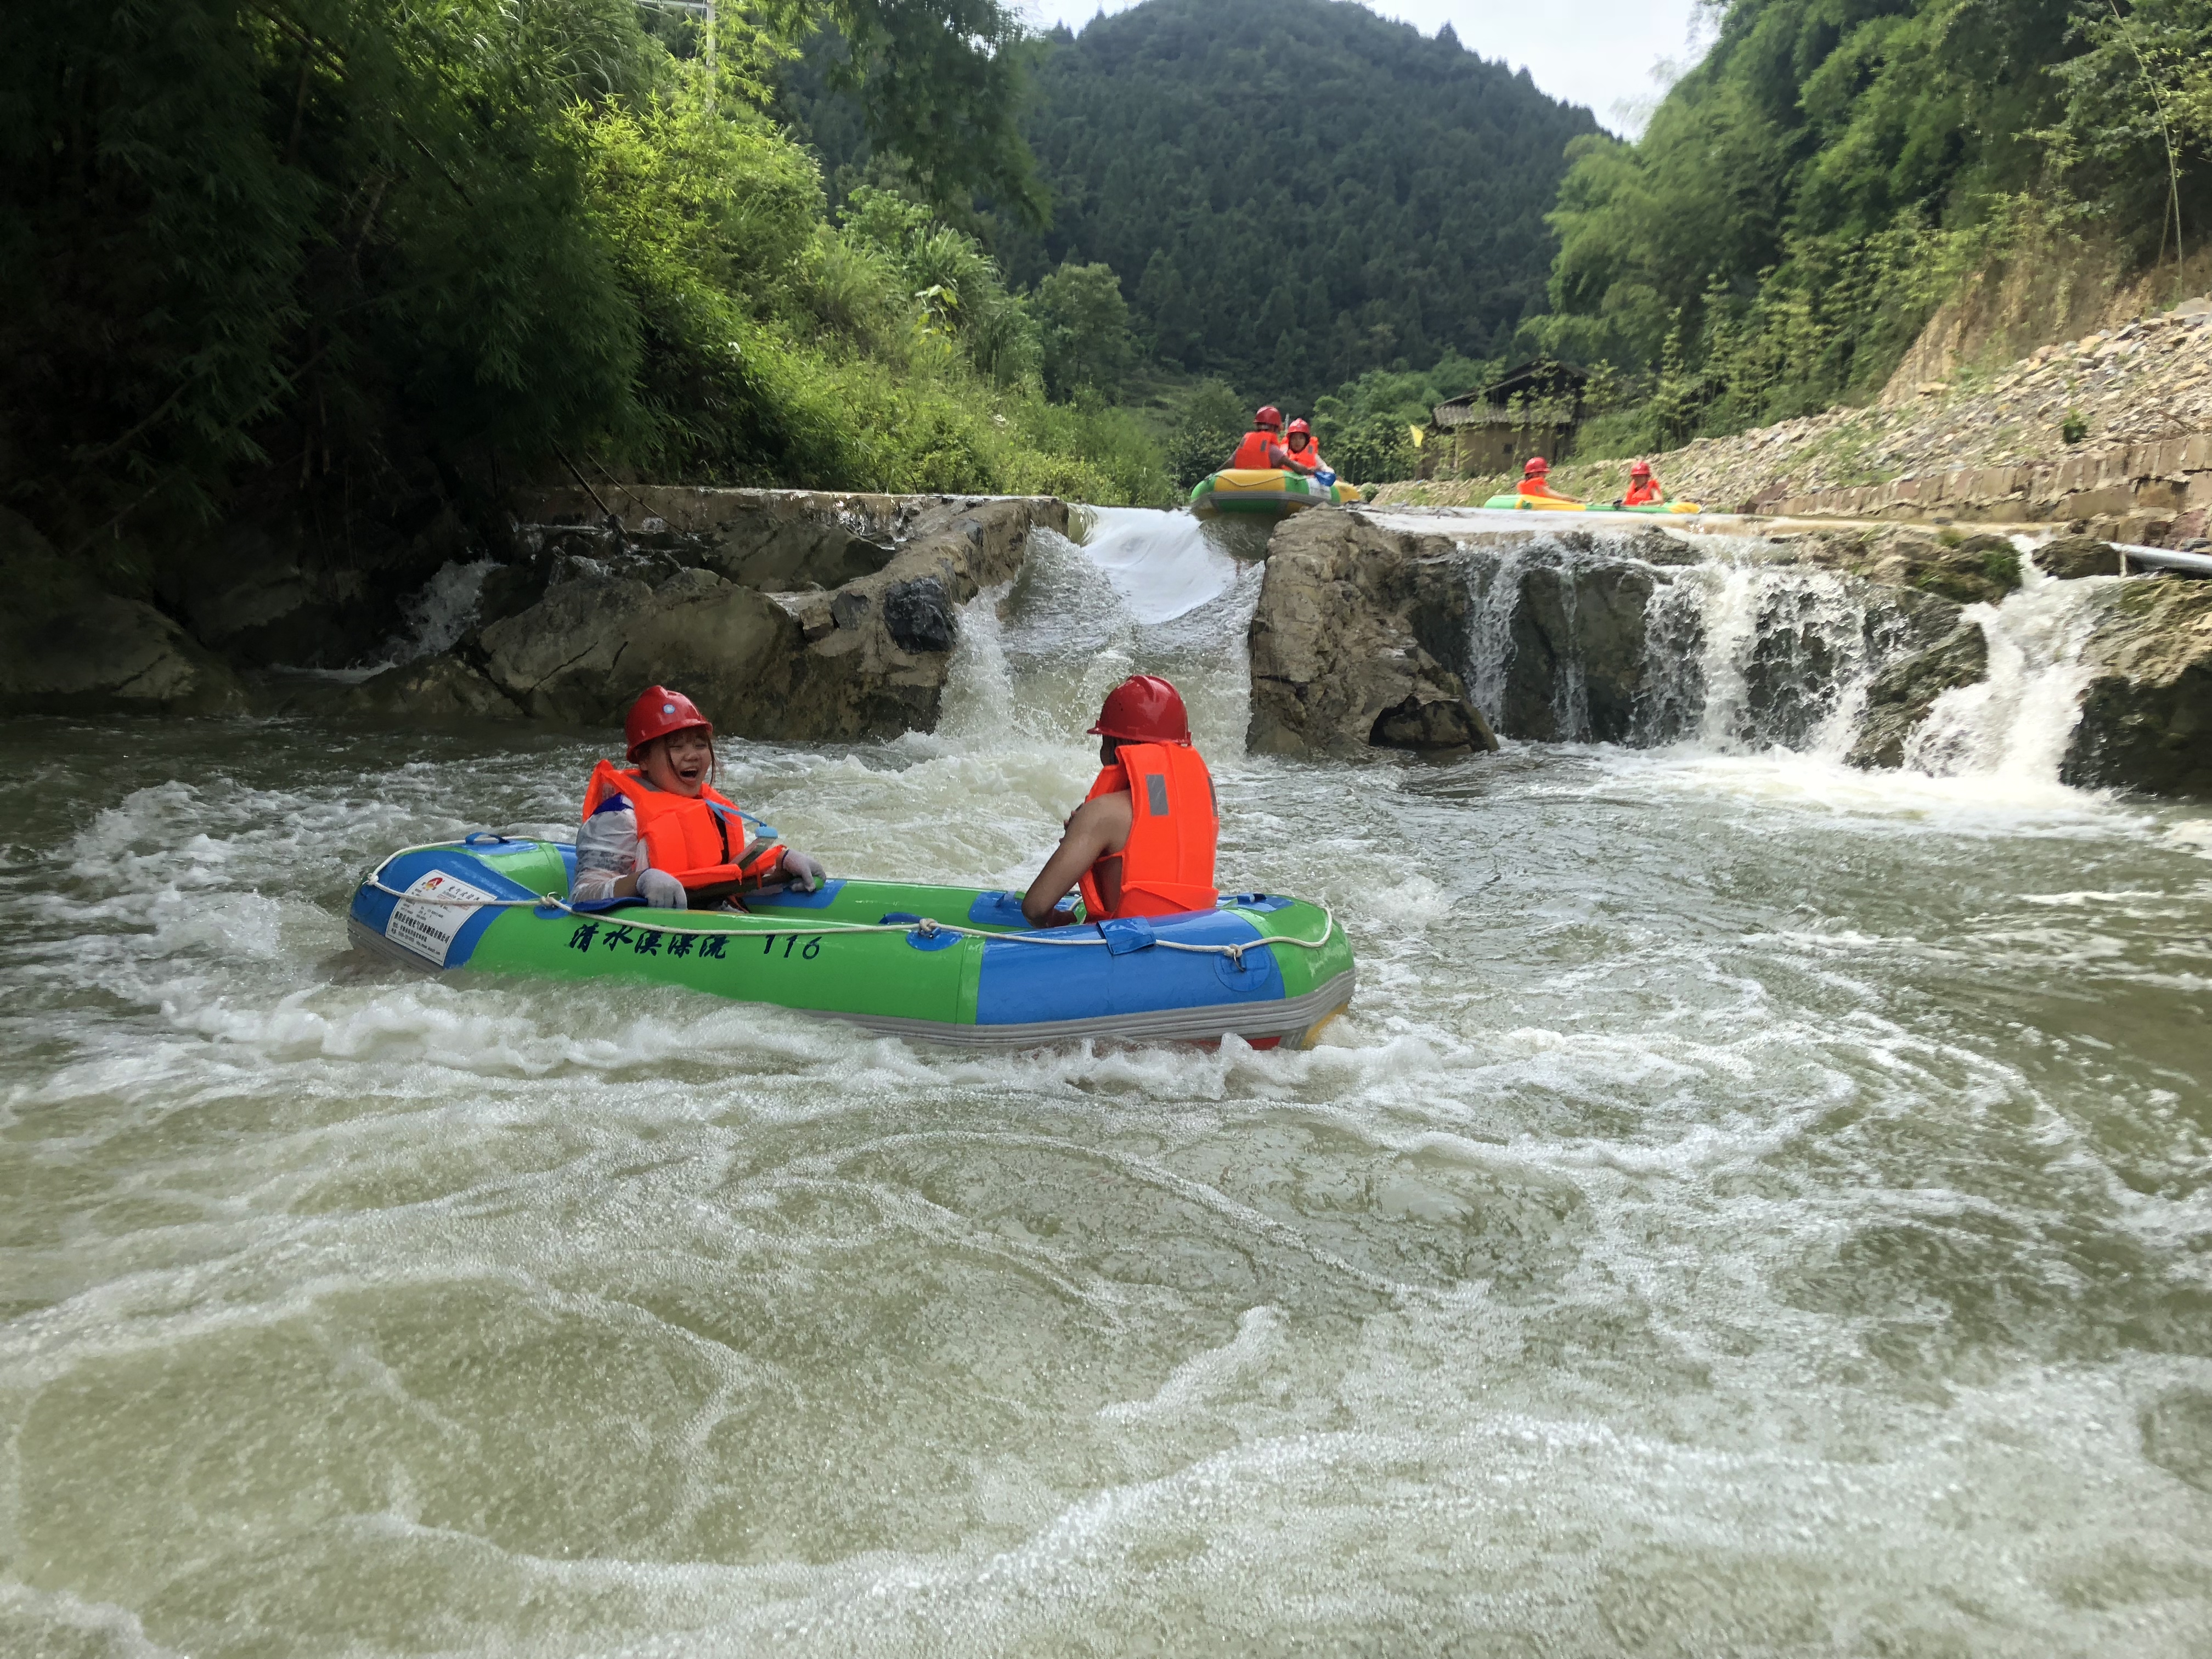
(1535, 480)
(1142, 842)
(662, 831)
(1644, 489)
(1298, 441)
(1262, 448)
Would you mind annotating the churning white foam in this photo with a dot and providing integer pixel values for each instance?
(2015, 723)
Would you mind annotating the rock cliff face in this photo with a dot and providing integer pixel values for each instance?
(1356, 641)
(1566, 652)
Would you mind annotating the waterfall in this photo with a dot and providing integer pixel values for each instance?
(1744, 657)
(1136, 591)
(1743, 653)
(2016, 722)
(1709, 644)
(1494, 597)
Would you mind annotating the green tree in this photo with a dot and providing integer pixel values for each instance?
(1087, 331)
(939, 84)
(1207, 435)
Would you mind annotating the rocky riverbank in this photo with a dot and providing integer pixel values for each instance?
(827, 617)
(796, 614)
(2110, 434)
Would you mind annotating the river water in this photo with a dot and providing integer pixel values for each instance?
(1751, 1207)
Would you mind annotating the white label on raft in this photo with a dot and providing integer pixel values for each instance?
(428, 930)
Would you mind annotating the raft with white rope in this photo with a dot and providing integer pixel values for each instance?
(949, 964)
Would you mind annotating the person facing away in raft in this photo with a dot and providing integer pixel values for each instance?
(1535, 481)
(1299, 439)
(1644, 489)
(661, 831)
(1142, 843)
(1262, 450)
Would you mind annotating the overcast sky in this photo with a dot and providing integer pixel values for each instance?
(1598, 53)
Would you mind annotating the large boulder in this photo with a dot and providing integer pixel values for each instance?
(603, 632)
(879, 649)
(1965, 570)
(2147, 716)
(868, 658)
(773, 539)
(1574, 650)
(1353, 642)
(1902, 694)
(69, 647)
(2073, 557)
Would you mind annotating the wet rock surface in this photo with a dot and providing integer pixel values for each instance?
(1575, 662)
(868, 658)
(1581, 636)
(69, 647)
(2071, 557)
(2147, 715)
(1965, 570)
(1354, 642)
(1902, 694)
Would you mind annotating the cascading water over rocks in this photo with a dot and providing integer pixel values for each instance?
(1942, 659)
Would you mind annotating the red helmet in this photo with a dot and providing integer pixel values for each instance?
(1641, 470)
(1269, 416)
(1536, 468)
(659, 712)
(1143, 709)
(1299, 425)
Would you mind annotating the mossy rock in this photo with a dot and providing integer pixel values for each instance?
(2072, 557)
(1979, 570)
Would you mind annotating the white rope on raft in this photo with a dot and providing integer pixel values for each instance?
(928, 927)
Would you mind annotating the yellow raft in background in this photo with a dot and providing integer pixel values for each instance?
(1266, 492)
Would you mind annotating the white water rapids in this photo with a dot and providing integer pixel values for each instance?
(1752, 1206)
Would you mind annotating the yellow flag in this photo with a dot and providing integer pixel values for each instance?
(1416, 431)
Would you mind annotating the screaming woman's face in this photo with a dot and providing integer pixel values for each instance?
(680, 764)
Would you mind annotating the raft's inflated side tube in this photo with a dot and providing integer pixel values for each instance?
(1266, 493)
(1517, 502)
(1125, 981)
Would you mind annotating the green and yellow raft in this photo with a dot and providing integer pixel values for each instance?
(1266, 493)
(1517, 502)
(951, 964)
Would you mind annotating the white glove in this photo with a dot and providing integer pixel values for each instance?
(804, 870)
(661, 891)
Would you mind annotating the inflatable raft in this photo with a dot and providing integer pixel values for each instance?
(1517, 502)
(1266, 493)
(951, 964)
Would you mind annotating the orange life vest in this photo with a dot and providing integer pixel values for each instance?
(1541, 487)
(1167, 864)
(1310, 457)
(699, 840)
(1252, 454)
(1644, 495)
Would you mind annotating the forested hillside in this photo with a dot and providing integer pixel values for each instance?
(329, 262)
(1292, 192)
(1804, 197)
